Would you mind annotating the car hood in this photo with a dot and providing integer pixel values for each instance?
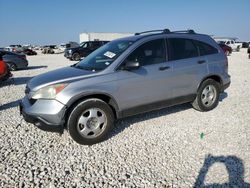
(67, 74)
(75, 48)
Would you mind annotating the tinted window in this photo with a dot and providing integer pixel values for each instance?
(180, 48)
(152, 52)
(95, 44)
(205, 49)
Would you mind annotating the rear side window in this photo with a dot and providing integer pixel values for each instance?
(180, 48)
(151, 52)
(205, 49)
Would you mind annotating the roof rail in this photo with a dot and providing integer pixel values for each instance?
(189, 31)
(154, 31)
(167, 31)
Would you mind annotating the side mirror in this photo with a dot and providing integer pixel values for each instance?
(131, 65)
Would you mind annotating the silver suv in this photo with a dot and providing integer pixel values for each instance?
(127, 76)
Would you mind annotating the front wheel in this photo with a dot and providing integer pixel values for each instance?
(207, 96)
(12, 66)
(76, 57)
(90, 121)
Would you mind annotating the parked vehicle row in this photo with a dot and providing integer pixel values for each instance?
(124, 77)
(232, 43)
(15, 61)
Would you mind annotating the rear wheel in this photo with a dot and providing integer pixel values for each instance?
(76, 57)
(90, 121)
(208, 96)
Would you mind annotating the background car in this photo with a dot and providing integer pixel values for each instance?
(227, 49)
(14, 48)
(15, 61)
(49, 49)
(4, 69)
(29, 52)
(83, 50)
(245, 44)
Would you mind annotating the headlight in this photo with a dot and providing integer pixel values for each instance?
(48, 92)
(70, 51)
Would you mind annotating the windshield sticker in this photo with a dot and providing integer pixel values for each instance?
(109, 54)
(107, 63)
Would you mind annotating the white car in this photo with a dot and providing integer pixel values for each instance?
(232, 43)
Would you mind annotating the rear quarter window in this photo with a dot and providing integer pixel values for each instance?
(205, 49)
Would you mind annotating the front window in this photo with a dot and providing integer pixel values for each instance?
(152, 52)
(104, 56)
(84, 44)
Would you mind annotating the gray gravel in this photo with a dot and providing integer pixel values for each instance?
(159, 149)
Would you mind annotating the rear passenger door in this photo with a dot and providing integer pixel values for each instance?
(188, 66)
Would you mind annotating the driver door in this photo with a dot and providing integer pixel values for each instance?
(146, 87)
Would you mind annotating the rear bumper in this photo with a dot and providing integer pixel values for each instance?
(225, 86)
(42, 116)
(22, 65)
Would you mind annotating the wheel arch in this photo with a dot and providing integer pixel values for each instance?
(103, 96)
(215, 77)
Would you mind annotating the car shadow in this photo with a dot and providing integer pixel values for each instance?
(124, 123)
(235, 169)
(36, 67)
(15, 81)
(6, 106)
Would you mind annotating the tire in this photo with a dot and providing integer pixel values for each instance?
(207, 96)
(12, 66)
(90, 121)
(76, 57)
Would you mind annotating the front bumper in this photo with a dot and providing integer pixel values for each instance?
(47, 115)
(67, 55)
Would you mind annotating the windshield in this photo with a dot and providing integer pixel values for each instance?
(84, 44)
(104, 56)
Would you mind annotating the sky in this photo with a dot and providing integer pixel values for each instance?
(59, 21)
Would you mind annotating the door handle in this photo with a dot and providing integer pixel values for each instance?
(201, 62)
(164, 68)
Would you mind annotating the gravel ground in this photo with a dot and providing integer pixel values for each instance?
(163, 148)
